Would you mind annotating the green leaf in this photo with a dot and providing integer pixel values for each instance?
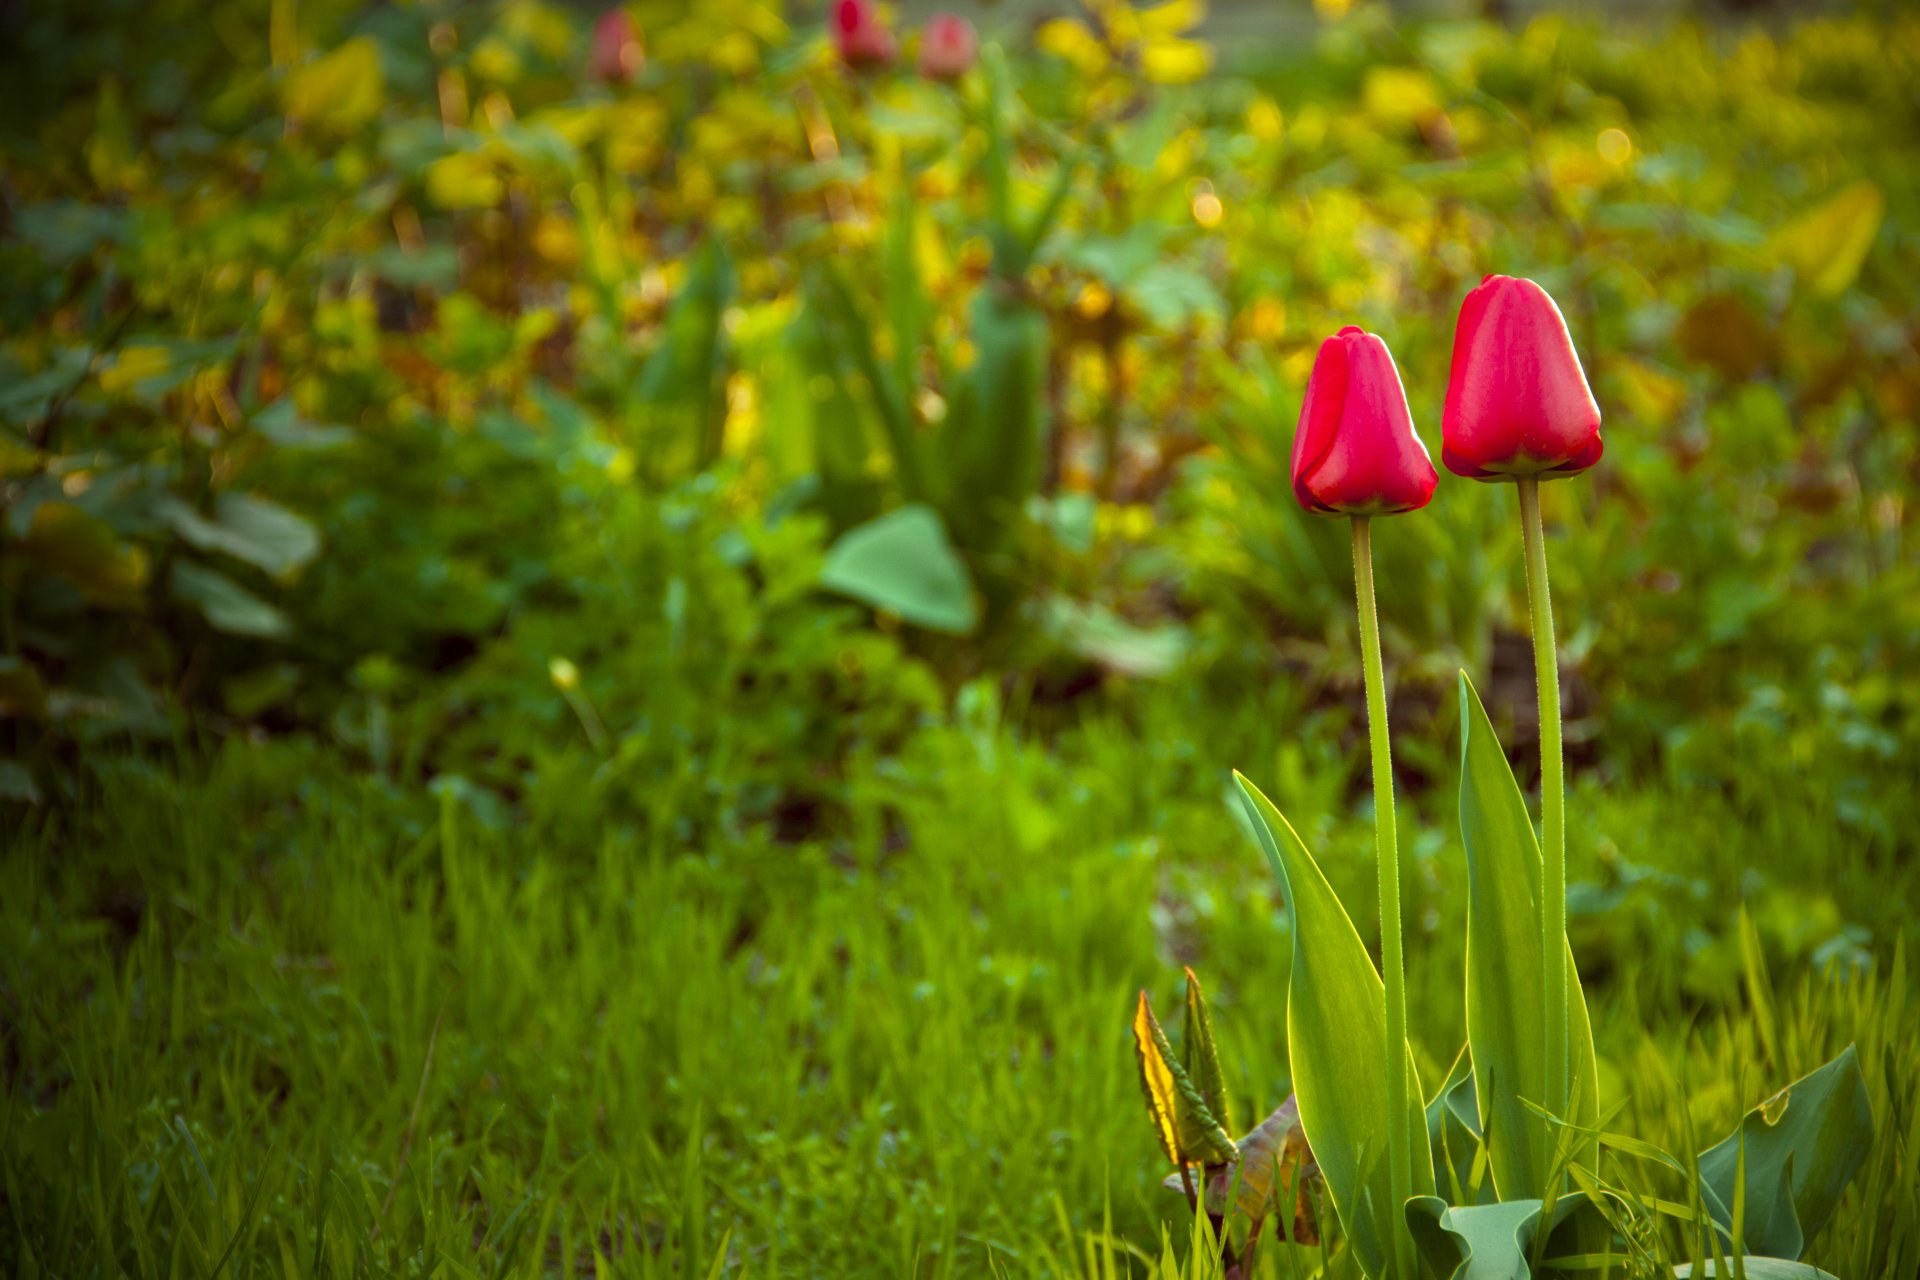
(262, 533)
(903, 563)
(1453, 1131)
(1337, 1044)
(1505, 985)
(17, 784)
(1803, 1146)
(1185, 1126)
(224, 603)
(1482, 1241)
(1201, 1055)
(88, 552)
(1762, 1269)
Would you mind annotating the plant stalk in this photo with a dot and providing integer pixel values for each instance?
(1553, 802)
(1399, 1138)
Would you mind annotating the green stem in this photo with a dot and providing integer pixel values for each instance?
(1399, 1138)
(1553, 802)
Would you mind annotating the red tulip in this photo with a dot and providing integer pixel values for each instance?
(1517, 401)
(1356, 452)
(617, 52)
(861, 35)
(948, 47)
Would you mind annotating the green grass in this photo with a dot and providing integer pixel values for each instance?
(267, 1016)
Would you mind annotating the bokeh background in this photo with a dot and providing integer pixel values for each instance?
(622, 642)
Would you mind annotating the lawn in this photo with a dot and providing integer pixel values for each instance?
(624, 643)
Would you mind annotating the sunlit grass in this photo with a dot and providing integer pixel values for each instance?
(293, 1021)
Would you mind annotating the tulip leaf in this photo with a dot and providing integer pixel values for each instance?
(1803, 1146)
(1505, 983)
(1337, 1044)
(1201, 1056)
(1478, 1242)
(1453, 1131)
(1761, 1269)
(1187, 1130)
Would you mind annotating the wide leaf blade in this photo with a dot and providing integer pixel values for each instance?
(1505, 984)
(1337, 1044)
(1803, 1146)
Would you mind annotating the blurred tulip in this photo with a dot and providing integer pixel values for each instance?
(1356, 452)
(948, 47)
(861, 35)
(1517, 400)
(617, 52)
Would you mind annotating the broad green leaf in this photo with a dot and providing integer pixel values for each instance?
(1200, 1055)
(1272, 1158)
(1761, 1269)
(1187, 1130)
(1505, 987)
(994, 441)
(1827, 245)
(224, 603)
(903, 563)
(1803, 1146)
(1337, 1044)
(1476, 1242)
(262, 533)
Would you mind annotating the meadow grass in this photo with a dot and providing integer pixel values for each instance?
(266, 1015)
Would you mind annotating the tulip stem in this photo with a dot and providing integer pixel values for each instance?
(1399, 1135)
(1553, 802)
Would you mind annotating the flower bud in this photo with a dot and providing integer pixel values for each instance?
(948, 47)
(1517, 399)
(618, 54)
(1356, 452)
(860, 34)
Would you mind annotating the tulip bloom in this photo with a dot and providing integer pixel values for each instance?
(617, 52)
(1517, 399)
(861, 36)
(948, 47)
(1356, 455)
(1356, 452)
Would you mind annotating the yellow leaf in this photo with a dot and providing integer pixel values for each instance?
(339, 92)
(1173, 17)
(1400, 95)
(464, 180)
(1175, 61)
(135, 363)
(1827, 245)
(1187, 1131)
(1066, 39)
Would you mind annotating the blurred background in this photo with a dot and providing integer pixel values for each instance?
(622, 630)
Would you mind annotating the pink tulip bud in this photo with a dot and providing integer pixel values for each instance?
(861, 35)
(948, 47)
(617, 53)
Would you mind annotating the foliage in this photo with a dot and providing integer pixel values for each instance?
(475, 798)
